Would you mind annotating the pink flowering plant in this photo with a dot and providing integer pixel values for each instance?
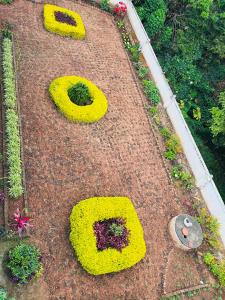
(120, 9)
(21, 223)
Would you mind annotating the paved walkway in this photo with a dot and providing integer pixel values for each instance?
(67, 162)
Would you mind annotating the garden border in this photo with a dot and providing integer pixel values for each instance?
(204, 180)
(5, 169)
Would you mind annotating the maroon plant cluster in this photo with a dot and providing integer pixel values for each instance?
(21, 223)
(106, 239)
(2, 197)
(64, 18)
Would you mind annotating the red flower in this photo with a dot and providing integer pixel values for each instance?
(120, 9)
(21, 223)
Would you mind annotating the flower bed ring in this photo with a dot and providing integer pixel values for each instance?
(63, 21)
(83, 238)
(93, 112)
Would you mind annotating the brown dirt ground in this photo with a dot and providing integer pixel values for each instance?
(67, 162)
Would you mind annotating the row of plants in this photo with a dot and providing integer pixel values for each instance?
(212, 245)
(179, 172)
(13, 146)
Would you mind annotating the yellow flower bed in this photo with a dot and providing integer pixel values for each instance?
(83, 239)
(51, 24)
(89, 113)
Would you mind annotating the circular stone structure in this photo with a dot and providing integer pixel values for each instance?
(185, 232)
(93, 112)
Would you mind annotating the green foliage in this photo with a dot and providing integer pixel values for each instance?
(153, 15)
(191, 51)
(135, 52)
(13, 154)
(173, 146)
(104, 5)
(24, 262)
(8, 74)
(116, 230)
(11, 119)
(197, 113)
(210, 227)
(151, 91)
(217, 267)
(165, 133)
(203, 5)
(4, 295)
(79, 94)
(182, 176)
(155, 21)
(6, 1)
(142, 71)
(153, 111)
(218, 120)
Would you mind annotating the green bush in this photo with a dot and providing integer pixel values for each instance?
(155, 22)
(210, 227)
(6, 2)
(173, 144)
(165, 133)
(170, 155)
(23, 263)
(153, 111)
(79, 94)
(12, 131)
(4, 295)
(216, 266)
(142, 71)
(184, 177)
(151, 91)
(135, 52)
(104, 5)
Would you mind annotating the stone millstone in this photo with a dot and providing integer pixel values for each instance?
(188, 231)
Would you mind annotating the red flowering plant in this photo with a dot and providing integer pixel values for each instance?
(120, 9)
(21, 223)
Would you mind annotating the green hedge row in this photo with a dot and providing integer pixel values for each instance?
(11, 119)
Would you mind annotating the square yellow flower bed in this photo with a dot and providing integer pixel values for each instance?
(63, 21)
(82, 236)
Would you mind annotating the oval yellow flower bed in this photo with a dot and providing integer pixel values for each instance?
(63, 21)
(90, 113)
(93, 212)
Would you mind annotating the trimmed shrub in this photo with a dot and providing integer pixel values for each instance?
(62, 28)
(83, 239)
(93, 112)
(23, 263)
